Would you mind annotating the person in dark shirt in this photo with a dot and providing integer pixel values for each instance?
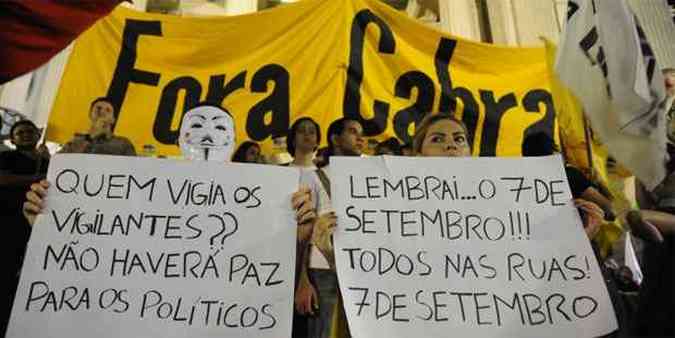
(27, 159)
(18, 169)
(540, 144)
(100, 138)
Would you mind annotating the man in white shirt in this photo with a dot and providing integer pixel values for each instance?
(317, 291)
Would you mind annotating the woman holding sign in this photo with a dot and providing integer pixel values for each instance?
(442, 135)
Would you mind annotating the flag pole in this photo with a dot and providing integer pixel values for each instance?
(589, 148)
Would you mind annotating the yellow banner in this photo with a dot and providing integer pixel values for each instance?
(319, 58)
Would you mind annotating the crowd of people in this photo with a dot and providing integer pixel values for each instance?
(642, 310)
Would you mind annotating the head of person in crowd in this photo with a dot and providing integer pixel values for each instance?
(345, 138)
(539, 144)
(24, 135)
(248, 152)
(669, 78)
(390, 146)
(207, 133)
(303, 138)
(441, 135)
(407, 149)
(102, 117)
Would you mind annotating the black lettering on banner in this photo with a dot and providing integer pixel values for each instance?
(572, 8)
(449, 95)
(531, 102)
(219, 90)
(444, 52)
(161, 129)
(424, 102)
(277, 103)
(647, 52)
(125, 73)
(352, 99)
(494, 111)
(596, 58)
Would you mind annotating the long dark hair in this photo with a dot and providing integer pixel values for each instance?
(240, 154)
(290, 138)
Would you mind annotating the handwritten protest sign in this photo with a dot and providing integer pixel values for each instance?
(472, 247)
(132, 247)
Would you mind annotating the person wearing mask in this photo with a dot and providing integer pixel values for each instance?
(100, 138)
(317, 293)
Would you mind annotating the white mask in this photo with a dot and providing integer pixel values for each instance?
(207, 134)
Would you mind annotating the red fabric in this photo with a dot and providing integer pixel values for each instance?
(33, 31)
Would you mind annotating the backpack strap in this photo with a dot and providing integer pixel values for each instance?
(325, 181)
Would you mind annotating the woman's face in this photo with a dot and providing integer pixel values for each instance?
(252, 155)
(306, 136)
(445, 138)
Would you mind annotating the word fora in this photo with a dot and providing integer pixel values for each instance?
(277, 103)
(471, 308)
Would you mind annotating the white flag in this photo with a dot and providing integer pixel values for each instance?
(607, 63)
(630, 259)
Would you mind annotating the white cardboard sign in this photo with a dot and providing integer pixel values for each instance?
(468, 247)
(134, 247)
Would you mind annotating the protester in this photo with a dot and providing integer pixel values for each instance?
(407, 150)
(302, 141)
(317, 293)
(540, 144)
(27, 159)
(248, 152)
(100, 138)
(442, 135)
(18, 169)
(390, 146)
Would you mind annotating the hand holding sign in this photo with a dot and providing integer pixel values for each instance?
(119, 247)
